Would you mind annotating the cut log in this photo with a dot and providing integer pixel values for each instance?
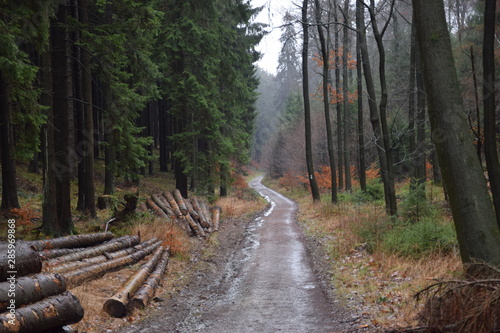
(191, 210)
(146, 292)
(103, 258)
(206, 212)
(173, 203)
(115, 306)
(170, 212)
(54, 253)
(118, 244)
(52, 312)
(76, 277)
(157, 210)
(197, 207)
(198, 230)
(216, 217)
(30, 289)
(71, 241)
(164, 207)
(180, 201)
(18, 258)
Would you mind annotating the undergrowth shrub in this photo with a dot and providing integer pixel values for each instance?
(415, 205)
(420, 239)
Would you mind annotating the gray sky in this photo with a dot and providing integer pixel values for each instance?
(270, 45)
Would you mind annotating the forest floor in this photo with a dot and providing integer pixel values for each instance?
(376, 289)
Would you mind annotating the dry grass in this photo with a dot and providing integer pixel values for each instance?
(235, 207)
(169, 232)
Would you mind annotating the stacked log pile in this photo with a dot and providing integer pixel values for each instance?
(193, 215)
(40, 301)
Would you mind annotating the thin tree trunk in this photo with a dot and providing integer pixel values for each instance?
(361, 135)
(476, 131)
(420, 167)
(337, 103)
(412, 107)
(489, 100)
(9, 186)
(325, 54)
(475, 221)
(386, 144)
(372, 103)
(345, 90)
(307, 105)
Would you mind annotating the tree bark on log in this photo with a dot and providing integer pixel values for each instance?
(52, 312)
(196, 206)
(104, 257)
(165, 208)
(157, 210)
(71, 241)
(198, 230)
(118, 244)
(180, 201)
(115, 306)
(76, 277)
(191, 210)
(216, 217)
(146, 292)
(206, 212)
(20, 257)
(50, 254)
(31, 289)
(173, 203)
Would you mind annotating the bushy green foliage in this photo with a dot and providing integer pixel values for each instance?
(417, 240)
(415, 205)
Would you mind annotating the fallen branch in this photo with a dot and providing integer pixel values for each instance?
(52, 312)
(146, 292)
(115, 306)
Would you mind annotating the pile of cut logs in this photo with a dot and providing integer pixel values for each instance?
(192, 214)
(34, 295)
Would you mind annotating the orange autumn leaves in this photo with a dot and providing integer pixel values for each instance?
(323, 178)
(336, 61)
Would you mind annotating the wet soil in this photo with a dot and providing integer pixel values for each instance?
(261, 278)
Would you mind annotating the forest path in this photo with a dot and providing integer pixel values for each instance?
(267, 284)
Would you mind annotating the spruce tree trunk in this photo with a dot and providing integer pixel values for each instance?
(9, 187)
(475, 221)
(307, 105)
(63, 109)
(49, 208)
(337, 103)
(85, 147)
(489, 77)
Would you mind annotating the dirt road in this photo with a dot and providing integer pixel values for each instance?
(267, 284)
